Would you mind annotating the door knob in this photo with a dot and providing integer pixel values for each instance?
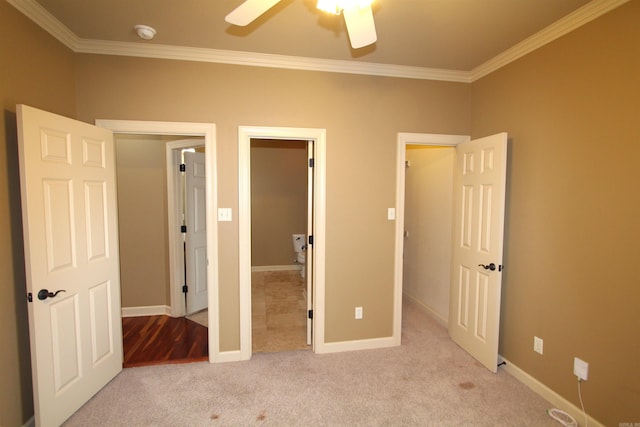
(43, 294)
(491, 266)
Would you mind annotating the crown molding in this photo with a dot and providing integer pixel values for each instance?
(576, 19)
(46, 21)
(182, 53)
(33, 10)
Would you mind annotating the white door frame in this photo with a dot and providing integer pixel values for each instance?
(208, 131)
(245, 134)
(405, 139)
(176, 249)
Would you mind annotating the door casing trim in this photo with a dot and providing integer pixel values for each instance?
(208, 132)
(245, 134)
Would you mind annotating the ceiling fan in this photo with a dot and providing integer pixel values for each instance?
(357, 15)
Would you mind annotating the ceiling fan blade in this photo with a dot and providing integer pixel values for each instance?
(360, 26)
(249, 11)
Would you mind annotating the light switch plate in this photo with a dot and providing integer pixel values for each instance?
(391, 214)
(224, 214)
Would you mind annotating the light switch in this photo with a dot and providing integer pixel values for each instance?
(224, 214)
(391, 214)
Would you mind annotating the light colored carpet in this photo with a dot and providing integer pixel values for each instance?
(428, 381)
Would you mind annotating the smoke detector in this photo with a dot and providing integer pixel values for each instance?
(145, 32)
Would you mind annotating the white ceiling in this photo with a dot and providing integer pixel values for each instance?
(446, 35)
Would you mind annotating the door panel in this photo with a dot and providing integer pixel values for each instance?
(309, 253)
(60, 224)
(474, 312)
(65, 334)
(67, 178)
(96, 214)
(100, 310)
(196, 237)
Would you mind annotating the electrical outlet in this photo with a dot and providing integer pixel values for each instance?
(537, 344)
(580, 369)
(358, 312)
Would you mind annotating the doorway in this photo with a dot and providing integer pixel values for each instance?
(428, 217)
(431, 300)
(479, 187)
(207, 132)
(280, 196)
(316, 251)
(152, 204)
(157, 174)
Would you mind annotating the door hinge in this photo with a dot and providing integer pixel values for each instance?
(183, 228)
(185, 289)
(312, 163)
(30, 297)
(183, 167)
(311, 240)
(500, 267)
(310, 314)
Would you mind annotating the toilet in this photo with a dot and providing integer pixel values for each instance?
(300, 248)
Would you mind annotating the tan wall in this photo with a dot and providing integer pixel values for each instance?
(278, 199)
(428, 219)
(362, 115)
(572, 110)
(34, 70)
(142, 220)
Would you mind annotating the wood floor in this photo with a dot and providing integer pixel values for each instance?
(278, 320)
(154, 340)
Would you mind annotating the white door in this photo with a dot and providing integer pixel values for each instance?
(69, 214)
(476, 276)
(196, 235)
(309, 255)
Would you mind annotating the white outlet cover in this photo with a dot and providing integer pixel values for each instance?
(358, 313)
(580, 369)
(538, 344)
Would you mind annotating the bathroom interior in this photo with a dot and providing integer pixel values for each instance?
(279, 195)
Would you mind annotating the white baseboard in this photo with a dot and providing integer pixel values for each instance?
(31, 422)
(227, 356)
(275, 267)
(428, 310)
(370, 344)
(151, 310)
(546, 393)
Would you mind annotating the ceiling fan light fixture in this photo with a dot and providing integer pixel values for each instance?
(337, 6)
(358, 17)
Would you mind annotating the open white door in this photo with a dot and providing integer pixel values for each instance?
(69, 214)
(196, 235)
(476, 276)
(309, 255)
